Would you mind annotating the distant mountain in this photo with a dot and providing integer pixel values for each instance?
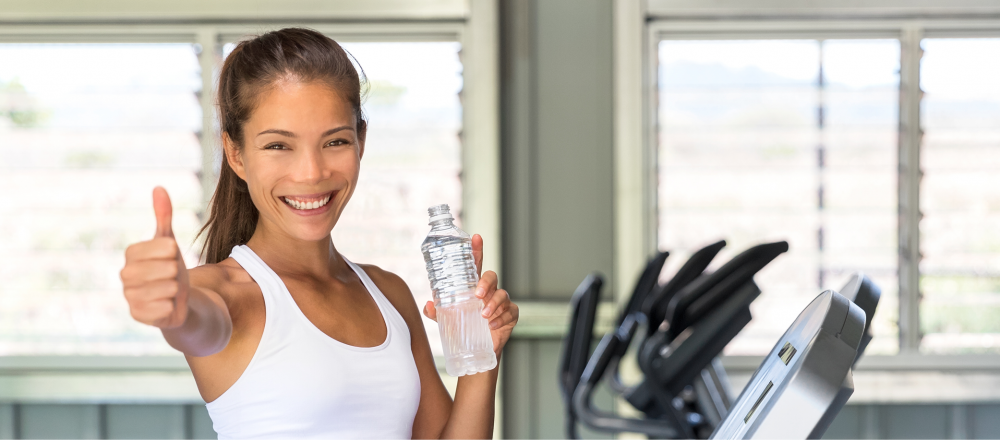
(696, 74)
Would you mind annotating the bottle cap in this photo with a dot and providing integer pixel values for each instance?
(439, 212)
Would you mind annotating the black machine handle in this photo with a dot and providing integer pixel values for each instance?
(643, 288)
(655, 307)
(734, 273)
(576, 345)
(670, 364)
(676, 427)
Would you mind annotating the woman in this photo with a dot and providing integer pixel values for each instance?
(285, 337)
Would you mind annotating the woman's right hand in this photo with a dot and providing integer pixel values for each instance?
(155, 279)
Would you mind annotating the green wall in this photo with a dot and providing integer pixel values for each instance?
(556, 134)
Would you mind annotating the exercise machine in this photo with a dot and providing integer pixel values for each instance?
(580, 335)
(701, 318)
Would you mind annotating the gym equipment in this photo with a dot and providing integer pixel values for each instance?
(653, 309)
(583, 310)
(702, 317)
(583, 307)
(797, 391)
(802, 380)
(656, 305)
(576, 345)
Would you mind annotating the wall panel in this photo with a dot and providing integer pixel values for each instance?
(146, 421)
(556, 143)
(60, 421)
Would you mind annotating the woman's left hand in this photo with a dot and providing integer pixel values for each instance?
(498, 309)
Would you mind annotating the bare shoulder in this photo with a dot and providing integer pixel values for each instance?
(395, 290)
(227, 278)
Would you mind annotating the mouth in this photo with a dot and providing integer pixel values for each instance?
(308, 202)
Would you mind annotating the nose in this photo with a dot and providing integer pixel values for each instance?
(309, 166)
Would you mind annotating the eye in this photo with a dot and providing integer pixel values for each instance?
(275, 147)
(338, 142)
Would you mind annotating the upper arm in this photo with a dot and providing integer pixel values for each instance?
(435, 402)
(206, 299)
(241, 307)
(209, 281)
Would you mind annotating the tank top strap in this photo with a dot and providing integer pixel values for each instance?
(389, 310)
(270, 284)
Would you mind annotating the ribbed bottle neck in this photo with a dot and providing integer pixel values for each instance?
(445, 223)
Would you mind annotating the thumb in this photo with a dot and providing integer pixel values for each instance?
(164, 212)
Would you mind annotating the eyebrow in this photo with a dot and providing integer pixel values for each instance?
(287, 133)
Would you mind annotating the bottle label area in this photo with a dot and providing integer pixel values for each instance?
(465, 337)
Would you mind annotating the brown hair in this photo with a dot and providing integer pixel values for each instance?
(249, 71)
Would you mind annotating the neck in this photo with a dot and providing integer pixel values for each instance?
(289, 255)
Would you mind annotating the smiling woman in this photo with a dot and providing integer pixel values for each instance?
(284, 335)
(334, 71)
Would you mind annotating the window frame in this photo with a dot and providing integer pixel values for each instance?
(640, 26)
(473, 24)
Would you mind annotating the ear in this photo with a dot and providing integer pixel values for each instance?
(233, 156)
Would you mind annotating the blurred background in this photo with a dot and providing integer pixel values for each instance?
(574, 135)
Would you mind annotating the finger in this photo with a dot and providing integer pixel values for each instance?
(164, 212)
(487, 284)
(505, 318)
(477, 253)
(430, 311)
(499, 301)
(140, 272)
(161, 289)
(155, 249)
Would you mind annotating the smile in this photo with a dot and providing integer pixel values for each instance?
(307, 203)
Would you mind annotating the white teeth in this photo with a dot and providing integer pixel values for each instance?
(307, 205)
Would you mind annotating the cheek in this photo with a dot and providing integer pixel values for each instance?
(260, 177)
(347, 163)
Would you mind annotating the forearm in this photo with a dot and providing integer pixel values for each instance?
(472, 414)
(207, 328)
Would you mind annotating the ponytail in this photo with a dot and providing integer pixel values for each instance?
(233, 217)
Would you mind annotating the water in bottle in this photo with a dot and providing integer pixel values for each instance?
(465, 334)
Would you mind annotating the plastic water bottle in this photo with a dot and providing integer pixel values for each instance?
(465, 334)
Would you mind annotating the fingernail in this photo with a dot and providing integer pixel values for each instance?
(480, 292)
(487, 311)
(494, 325)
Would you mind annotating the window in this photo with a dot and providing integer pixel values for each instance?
(87, 130)
(796, 140)
(960, 196)
(86, 144)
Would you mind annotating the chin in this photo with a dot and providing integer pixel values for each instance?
(312, 234)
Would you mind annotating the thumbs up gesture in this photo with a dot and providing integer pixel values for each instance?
(155, 279)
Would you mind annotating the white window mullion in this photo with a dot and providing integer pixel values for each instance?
(209, 58)
(910, 136)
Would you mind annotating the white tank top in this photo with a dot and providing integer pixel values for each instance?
(302, 383)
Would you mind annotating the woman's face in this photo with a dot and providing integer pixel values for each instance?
(301, 155)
